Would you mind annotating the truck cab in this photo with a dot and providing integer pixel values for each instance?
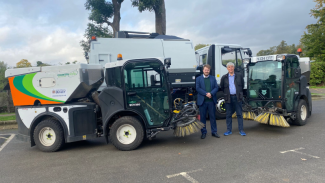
(217, 56)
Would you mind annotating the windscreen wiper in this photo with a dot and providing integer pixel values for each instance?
(260, 95)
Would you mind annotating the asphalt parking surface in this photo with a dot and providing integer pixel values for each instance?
(266, 154)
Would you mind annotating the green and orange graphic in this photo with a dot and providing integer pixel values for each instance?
(24, 93)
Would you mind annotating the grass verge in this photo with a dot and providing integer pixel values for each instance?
(3, 113)
(7, 118)
(316, 87)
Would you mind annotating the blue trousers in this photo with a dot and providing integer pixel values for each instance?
(230, 109)
(209, 107)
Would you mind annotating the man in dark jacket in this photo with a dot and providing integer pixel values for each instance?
(232, 86)
(207, 87)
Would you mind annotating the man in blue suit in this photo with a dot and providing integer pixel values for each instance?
(207, 87)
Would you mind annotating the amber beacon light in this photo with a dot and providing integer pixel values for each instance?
(119, 56)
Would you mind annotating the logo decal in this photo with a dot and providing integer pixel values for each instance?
(70, 74)
(264, 92)
(59, 93)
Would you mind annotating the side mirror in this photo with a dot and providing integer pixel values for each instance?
(249, 51)
(167, 62)
(297, 72)
(200, 68)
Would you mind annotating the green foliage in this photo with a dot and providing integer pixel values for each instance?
(149, 5)
(23, 63)
(283, 47)
(101, 11)
(94, 29)
(3, 80)
(314, 44)
(67, 63)
(199, 46)
(41, 64)
(317, 73)
(7, 118)
(158, 6)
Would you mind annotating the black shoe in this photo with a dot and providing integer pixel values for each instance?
(203, 135)
(215, 135)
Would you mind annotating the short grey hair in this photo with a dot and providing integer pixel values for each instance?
(230, 63)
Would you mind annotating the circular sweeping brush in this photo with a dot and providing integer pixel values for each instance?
(185, 121)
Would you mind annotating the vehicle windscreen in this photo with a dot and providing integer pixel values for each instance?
(264, 80)
(231, 55)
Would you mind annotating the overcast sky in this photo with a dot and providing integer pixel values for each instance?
(50, 31)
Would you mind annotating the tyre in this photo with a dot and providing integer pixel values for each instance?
(126, 133)
(220, 106)
(49, 136)
(302, 113)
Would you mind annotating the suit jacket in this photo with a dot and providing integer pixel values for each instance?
(239, 83)
(200, 88)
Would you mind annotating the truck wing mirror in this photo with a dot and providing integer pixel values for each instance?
(297, 72)
(167, 62)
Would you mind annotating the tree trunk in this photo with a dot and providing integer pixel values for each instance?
(160, 13)
(8, 101)
(117, 16)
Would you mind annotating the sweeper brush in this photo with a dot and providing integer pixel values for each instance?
(272, 119)
(185, 121)
(246, 115)
(263, 118)
(187, 128)
(277, 120)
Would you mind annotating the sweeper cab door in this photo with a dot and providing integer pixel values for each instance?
(147, 91)
(291, 81)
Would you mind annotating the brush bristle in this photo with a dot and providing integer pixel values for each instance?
(181, 131)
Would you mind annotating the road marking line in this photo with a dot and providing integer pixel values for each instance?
(3, 138)
(185, 175)
(296, 151)
(7, 141)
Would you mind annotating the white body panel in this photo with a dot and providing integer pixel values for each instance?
(57, 82)
(181, 51)
(27, 115)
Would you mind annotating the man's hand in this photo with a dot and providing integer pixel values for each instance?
(208, 95)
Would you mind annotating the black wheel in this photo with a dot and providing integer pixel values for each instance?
(48, 135)
(302, 113)
(220, 106)
(126, 133)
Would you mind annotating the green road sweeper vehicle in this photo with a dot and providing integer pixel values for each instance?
(277, 91)
(60, 104)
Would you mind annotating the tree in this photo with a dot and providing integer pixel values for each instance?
(283, 47)
(101, 12)
(67, 63)
(74, 62)
(3, 83)
(270, 51)
(23, 63)
(158, 6)
(41, 64)
(314, 39)
(199, 46)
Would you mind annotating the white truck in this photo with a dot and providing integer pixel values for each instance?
(186, 61)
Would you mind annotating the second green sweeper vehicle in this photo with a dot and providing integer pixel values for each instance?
(277, 90)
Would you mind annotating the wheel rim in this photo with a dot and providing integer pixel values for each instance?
(303, 112)
(220, 106)
(126, 134)
(47, 136)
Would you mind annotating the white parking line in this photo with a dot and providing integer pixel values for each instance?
(7, 141)
(185, 174)
(296, 151)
